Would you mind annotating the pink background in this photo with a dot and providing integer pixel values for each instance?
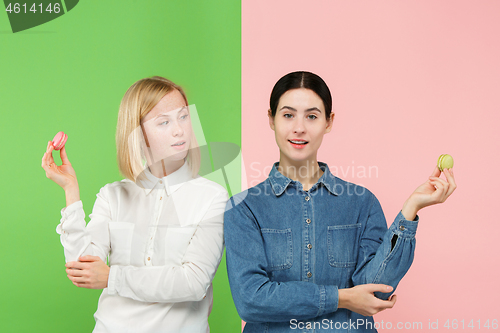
(410, 80)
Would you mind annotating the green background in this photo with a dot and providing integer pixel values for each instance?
(70, 74)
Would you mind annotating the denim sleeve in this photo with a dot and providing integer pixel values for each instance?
(257, 298)
(385, 255)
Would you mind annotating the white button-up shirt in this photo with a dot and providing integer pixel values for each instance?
(164, 241)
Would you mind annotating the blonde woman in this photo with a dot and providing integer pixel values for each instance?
(161, 226)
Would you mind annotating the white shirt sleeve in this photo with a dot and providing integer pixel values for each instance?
(186, 282)
(77, 238)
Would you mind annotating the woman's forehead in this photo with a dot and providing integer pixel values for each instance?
(300, 98)
(169, 104)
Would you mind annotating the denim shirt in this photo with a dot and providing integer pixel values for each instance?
(289, 251)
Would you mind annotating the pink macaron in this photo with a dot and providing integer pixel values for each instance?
(59, 140)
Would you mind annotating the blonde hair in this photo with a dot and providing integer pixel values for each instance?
(138, 101)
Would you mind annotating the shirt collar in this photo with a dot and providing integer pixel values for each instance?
(171, 182)
(279, 182)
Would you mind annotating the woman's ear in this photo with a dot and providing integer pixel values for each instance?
(271, 119)
(329, 123)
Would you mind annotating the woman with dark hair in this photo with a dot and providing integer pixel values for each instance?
(307, 250)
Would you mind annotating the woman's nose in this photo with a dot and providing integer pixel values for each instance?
(298, 126)
(177, 130)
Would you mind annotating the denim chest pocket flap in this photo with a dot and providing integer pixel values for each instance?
(279, 248)
(342, 245)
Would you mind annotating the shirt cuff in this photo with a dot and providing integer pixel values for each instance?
(71, 208)
(329, 299)
(403, 227)
(66, 212)
(113, 279)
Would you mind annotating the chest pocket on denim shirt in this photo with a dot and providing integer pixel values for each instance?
(279, 248)
(342, 244)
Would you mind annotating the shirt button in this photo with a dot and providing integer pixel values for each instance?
(161, 197)
(309, 274)
(308, 221)
(309, 246)
(161, 182)
(402, 228)
(149, 258)
(307, 198)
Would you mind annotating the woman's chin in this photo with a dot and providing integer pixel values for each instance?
(178, 156)
(297, 156)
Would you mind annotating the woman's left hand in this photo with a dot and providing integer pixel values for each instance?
(89, 272)
(435, 190)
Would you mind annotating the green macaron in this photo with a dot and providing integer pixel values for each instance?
(445, 161)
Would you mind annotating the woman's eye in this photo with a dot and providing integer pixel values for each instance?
(184, 117)
(288, 115)
(164, 123)
(311, 116)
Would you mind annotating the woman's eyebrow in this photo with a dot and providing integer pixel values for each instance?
(288, 107)
(162, 115)
(313, 109)
(167, 113)
(293, 109)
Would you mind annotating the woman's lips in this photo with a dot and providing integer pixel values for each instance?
(298, 144)
(179, 145)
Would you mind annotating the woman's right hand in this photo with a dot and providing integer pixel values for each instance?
(63, 175)
(361, 299)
